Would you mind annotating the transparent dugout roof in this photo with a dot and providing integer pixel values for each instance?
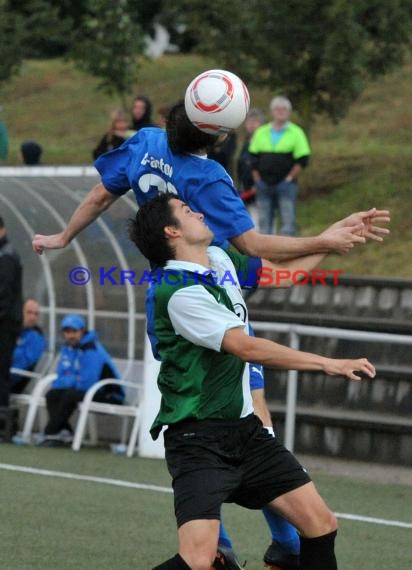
(41, 201)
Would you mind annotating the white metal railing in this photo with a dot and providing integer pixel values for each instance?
(295, 333)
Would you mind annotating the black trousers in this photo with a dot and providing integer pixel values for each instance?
(62, 403)
(20, 384)
(8, 337)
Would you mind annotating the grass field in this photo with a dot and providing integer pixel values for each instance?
(53, 523)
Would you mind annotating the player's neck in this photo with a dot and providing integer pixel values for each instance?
(194, 253)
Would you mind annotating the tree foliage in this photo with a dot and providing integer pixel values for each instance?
(47, 27)
(103, 37)
(11, 36)
(107, 44)
(318, 52)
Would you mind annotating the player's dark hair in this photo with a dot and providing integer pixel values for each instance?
(147, 230)
(1, 223)
(182, 135)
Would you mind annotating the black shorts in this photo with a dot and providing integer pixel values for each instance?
(218, 461)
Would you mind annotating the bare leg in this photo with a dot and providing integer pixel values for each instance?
(198, 543)
(307, 511)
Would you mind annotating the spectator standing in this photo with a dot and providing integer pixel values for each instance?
(142, 113)
(31, 152)
(279, 151)
(116, 135)
(254, 119)
(11, 302)
(29, 347)
(83, 362)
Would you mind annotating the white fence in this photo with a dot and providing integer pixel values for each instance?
(295, 333)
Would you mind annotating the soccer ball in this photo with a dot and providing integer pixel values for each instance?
(217, 101)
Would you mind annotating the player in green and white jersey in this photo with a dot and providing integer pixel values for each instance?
(216, 448)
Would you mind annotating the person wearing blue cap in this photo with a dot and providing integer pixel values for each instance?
(83, 361)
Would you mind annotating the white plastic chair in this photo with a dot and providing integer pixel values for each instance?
(131, 378)
(87, 405)
(24, 397)
(46, 364)
(36, 400)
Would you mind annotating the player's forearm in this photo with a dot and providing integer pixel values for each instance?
(272, 354)
(290, 270)
(277, 248)
(95, 203)
(275, 355)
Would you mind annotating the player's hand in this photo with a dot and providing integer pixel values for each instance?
(341, 239)
(368, 218)
(348, 367)
(55, 241)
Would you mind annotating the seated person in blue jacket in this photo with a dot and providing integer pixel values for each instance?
(83, 362)
(30, 346)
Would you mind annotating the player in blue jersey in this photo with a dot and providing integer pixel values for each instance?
(154, 161)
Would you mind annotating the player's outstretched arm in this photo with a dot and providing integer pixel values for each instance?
(96, 202)
(279, 248)
(340, 238)
(284, 273)
(369, 219)
(274, 355)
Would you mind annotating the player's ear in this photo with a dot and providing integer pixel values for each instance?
(171, 231)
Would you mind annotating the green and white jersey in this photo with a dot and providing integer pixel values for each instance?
(189, 309)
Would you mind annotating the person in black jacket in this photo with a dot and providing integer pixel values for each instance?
(11, 303)
(116, 135)
(142, 113)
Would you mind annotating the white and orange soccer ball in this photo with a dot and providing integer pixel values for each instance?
(217, 101)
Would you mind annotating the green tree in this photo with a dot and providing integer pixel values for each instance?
(11, 37)
(318, 52)
(47, 28)
(107, 44)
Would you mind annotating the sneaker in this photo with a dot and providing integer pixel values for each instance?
(19, 440)
(226, 560)
(38, 438)
(65, 435)
(277, 558)
(51, 441)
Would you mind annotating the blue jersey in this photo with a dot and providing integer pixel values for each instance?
(146, 164)
(29, 347)
(81, 366)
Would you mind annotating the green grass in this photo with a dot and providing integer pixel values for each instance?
(361, 162)
(51, 523)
